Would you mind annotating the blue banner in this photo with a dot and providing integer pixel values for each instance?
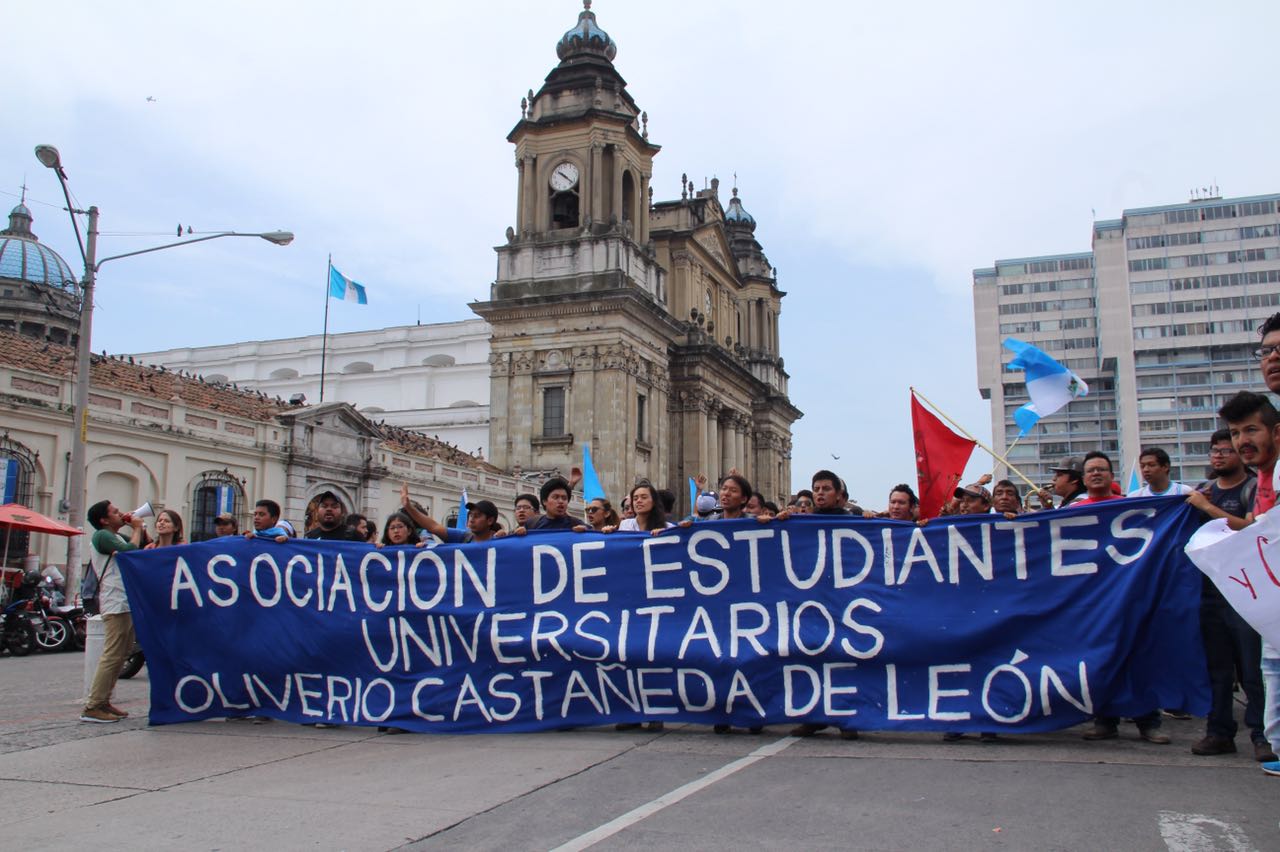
(976, 623)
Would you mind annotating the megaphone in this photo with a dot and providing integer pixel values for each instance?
(143, 511)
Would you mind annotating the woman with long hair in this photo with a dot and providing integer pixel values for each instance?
(400, 530)
(168, 530)
(649, 514)
(600, 514)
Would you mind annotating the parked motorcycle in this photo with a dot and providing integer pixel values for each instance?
(133, 663)
(17, 636)
(53, 632)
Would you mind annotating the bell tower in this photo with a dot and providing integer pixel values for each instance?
(578, 310)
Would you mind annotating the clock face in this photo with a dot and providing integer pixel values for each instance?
(564, 176)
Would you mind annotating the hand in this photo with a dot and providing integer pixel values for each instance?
(575, 476)
(984, 479)
(608, 529)
(1046, 499)
(249, 535)
(581, 528)
(404, 494)
(867, 513)
(281, 539)
(137, 523)
(519, 531)
(686, 523)
(1011, 516)
(500, 533)
(764, 518)
(1197, 500)
(701, 482)
(733, 471)
(782, 516)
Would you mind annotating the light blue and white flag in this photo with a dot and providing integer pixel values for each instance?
(591, 487)
(1135, 481)
(342, 287)
(461, 523)
(226, 499)
(1049, 384)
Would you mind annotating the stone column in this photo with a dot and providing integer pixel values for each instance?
(595, 180)
(616, 206)
(642, 224)
(529, 193)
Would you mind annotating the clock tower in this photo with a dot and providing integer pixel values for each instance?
(605, 309)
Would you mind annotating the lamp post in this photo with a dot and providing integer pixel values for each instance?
(49, 157)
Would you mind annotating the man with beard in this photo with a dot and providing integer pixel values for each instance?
(330, 515)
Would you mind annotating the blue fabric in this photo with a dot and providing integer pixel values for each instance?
(693, 497)
(342, 287)
(901, 631)
(10, 480)
(591, 487)
(461, 522)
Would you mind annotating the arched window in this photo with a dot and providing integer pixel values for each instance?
(216, 491)
(564, 209)
(628, 197)
(17, 481)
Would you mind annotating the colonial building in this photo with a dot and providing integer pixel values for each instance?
(201, 448)
(646, 331)
(38, 294)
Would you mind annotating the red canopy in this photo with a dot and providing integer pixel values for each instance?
(19, 517)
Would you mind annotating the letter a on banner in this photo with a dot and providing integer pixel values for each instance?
(941, 456)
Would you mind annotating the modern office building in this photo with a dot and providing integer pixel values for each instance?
(1159, 319)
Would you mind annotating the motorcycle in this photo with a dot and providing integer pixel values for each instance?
(53, 632)
(133, 663)
(17, 636)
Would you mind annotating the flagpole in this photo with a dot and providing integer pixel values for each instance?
(324, 340)
(966, 433)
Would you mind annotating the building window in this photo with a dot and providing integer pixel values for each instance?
(564, 209)
(553, 412)
(216, 492)
(641, 434)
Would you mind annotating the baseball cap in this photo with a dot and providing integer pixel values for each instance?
(974, 490)
(225, 518)
(485, 506)
(705, 503)
(1071, 464)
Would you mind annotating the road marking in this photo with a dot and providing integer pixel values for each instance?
(1200, 833)
(666, 800)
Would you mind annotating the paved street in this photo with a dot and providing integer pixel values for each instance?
(235, 785)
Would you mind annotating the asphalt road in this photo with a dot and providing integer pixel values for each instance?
(236, 785)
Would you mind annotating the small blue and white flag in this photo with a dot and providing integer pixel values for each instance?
(1049, 384)
(591, 487)
(226, 499)
(461, 522)
(342, 287)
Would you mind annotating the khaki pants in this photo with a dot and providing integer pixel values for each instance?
(115, 650)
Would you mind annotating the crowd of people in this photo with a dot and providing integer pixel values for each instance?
(1242, 459)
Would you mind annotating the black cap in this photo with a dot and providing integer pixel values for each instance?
(328, 495)
(485, 506)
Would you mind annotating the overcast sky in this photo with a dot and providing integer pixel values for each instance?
(886, 150)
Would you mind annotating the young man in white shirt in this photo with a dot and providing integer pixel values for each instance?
(1154, 464)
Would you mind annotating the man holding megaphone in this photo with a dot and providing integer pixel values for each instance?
(117, 621)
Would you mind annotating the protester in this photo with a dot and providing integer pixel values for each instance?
(482, 520)
(527, 509)
(400, 530)
(1006, 499)
(1154, 463)
(625, 510)
(600, 514)
(827, 488)
(555, 496)
(735, 495)
(266, 522)
(974, 499)
(804, 502)
(650, 514)
(168, 530)
(225, 525)
(1068, 484)
(366, 529)
(1098, 477)
(330, 516)
(705, 507)
(1232, 648)
(903, 503)
(754, 506)
(113, 604)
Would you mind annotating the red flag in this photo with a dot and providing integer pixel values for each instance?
(941, 456)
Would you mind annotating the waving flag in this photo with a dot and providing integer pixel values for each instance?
(461, 522)
(941, 456)
(591, 487)
(342, 287)
(1049, 384)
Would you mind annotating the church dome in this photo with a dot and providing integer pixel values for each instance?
(24, 258)
(737, 214)
(586, 37)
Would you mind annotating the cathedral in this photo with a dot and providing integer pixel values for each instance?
(646, 330)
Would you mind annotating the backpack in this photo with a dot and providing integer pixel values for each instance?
(89, 587)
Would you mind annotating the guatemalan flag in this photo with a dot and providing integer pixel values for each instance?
(342, 287)
(1049, 384)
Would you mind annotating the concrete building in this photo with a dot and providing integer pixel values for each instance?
(1159, 319)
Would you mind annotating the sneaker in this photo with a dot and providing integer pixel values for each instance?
(1263, 753)
(100, 715)
(261, 720)
(1101, 731)
(1181, 715)
(755, 729)
(1210, 745)
(1153, 735)
(116, 711)
(808, 729)
(627, 726)
(848, 733)
(1271, 767)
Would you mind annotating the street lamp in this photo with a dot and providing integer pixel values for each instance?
(49, 157)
